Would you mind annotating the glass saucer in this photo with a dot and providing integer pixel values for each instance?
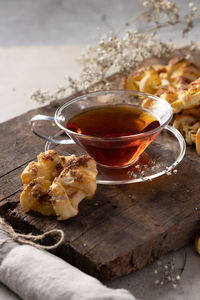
(160, 158)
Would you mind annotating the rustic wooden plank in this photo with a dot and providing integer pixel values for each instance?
(114, 234)
(11, 183)
(19, 144)
(120, 234)
(18, 147)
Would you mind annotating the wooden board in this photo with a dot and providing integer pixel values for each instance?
(124, 227)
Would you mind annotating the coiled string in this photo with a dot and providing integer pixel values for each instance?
(30, 239)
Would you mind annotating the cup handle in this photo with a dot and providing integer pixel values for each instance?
(33, 122)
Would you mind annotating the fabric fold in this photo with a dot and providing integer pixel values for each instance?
(35, 274)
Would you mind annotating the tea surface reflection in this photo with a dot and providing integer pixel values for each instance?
(110, 122)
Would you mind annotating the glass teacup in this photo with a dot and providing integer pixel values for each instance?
(111, 150)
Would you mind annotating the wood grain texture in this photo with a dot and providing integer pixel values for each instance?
(114, 234)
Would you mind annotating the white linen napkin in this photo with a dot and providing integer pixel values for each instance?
(35, 274)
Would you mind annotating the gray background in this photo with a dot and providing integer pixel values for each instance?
(39, 44)
(61, 22)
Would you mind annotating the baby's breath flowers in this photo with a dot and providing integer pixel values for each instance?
(169, 273)
(114, 54)
(189, 17)
(169, 11)
(44, 96)
(158, 9)
(117, 52)
(111, 54)
(164, 13)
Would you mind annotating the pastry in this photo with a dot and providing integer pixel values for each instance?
(178, 83)
(55, 185)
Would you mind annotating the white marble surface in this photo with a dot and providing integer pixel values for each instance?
(39, 44)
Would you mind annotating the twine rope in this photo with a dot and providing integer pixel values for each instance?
(30, 239)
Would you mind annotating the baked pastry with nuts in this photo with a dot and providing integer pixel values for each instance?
(178, 83)
(55, 185)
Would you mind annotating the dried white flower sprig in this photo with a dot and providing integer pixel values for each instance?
(163, 13)
(45, 96)
(122, 53)
(189, 17)
(113, 54)
(158, 9)
(169, 273)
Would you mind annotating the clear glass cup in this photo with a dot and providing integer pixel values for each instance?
(125, 149)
